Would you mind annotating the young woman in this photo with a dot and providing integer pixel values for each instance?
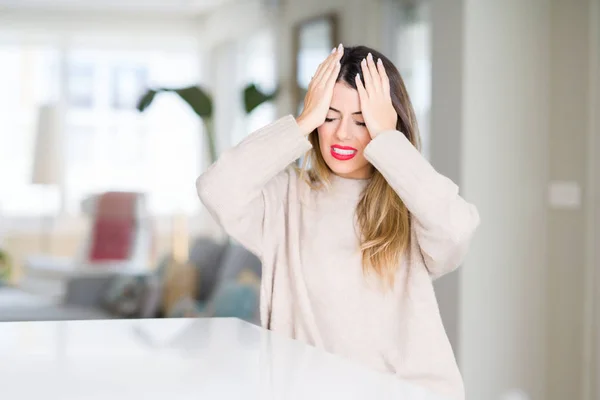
(351, 242)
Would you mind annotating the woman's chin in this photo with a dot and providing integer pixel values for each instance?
(347, 169)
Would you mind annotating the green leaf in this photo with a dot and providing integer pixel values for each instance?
(253, 97)
(146, 100)
(199, 100)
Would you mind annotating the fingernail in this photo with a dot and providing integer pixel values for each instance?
(333, 50)
(340, 46)
(370, 57)
(379, 61)
(358, 76)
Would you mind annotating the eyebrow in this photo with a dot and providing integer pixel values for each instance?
(338, 111)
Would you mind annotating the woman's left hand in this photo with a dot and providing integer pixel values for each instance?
(375, 100)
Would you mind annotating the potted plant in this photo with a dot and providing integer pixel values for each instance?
(201, 103)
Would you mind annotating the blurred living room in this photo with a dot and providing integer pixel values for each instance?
(110, 110)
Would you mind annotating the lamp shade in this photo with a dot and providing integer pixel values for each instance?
(48, 157)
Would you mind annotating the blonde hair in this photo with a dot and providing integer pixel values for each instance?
(383, 219)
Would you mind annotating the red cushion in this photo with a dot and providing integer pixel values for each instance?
(113, 229)
(112, 239)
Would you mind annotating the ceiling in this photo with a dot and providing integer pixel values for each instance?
(194, 7)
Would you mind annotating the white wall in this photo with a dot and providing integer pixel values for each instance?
(234, 21)
(446, 135)
(504, 163)
(512, 86)
(489, 133)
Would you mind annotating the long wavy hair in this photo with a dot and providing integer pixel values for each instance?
(383, 219)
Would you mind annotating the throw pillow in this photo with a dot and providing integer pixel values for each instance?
(187, 308)
(151, 300)
(238, 298)
(124, 296)
(206, 254)
(236, 259)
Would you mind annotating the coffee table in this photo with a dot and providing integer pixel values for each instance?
(181, 359)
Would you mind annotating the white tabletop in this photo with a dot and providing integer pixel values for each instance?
(176, 359)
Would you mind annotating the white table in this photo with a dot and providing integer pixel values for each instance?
(177, 359)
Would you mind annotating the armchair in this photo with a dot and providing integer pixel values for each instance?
(120, 239)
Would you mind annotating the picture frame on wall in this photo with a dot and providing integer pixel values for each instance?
(313, 40)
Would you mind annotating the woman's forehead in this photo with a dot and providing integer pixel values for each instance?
(345, 99)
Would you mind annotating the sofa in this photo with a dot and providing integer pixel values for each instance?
(220, 279)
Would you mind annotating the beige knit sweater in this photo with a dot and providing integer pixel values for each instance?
(313, 288)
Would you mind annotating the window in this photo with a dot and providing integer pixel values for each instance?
(114, 147)
(109, 144)
(27, 78)
(258, 63)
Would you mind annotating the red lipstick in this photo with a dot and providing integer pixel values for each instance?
(343, 153)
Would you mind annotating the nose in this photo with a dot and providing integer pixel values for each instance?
(342, 132)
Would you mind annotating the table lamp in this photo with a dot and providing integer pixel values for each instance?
(48, 157)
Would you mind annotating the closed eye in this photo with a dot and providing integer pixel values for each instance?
(356, 122)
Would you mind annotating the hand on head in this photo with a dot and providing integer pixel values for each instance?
(375, 100)
(374, 93)
(320, 91)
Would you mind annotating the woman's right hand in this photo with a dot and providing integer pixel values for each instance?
(320, 91)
